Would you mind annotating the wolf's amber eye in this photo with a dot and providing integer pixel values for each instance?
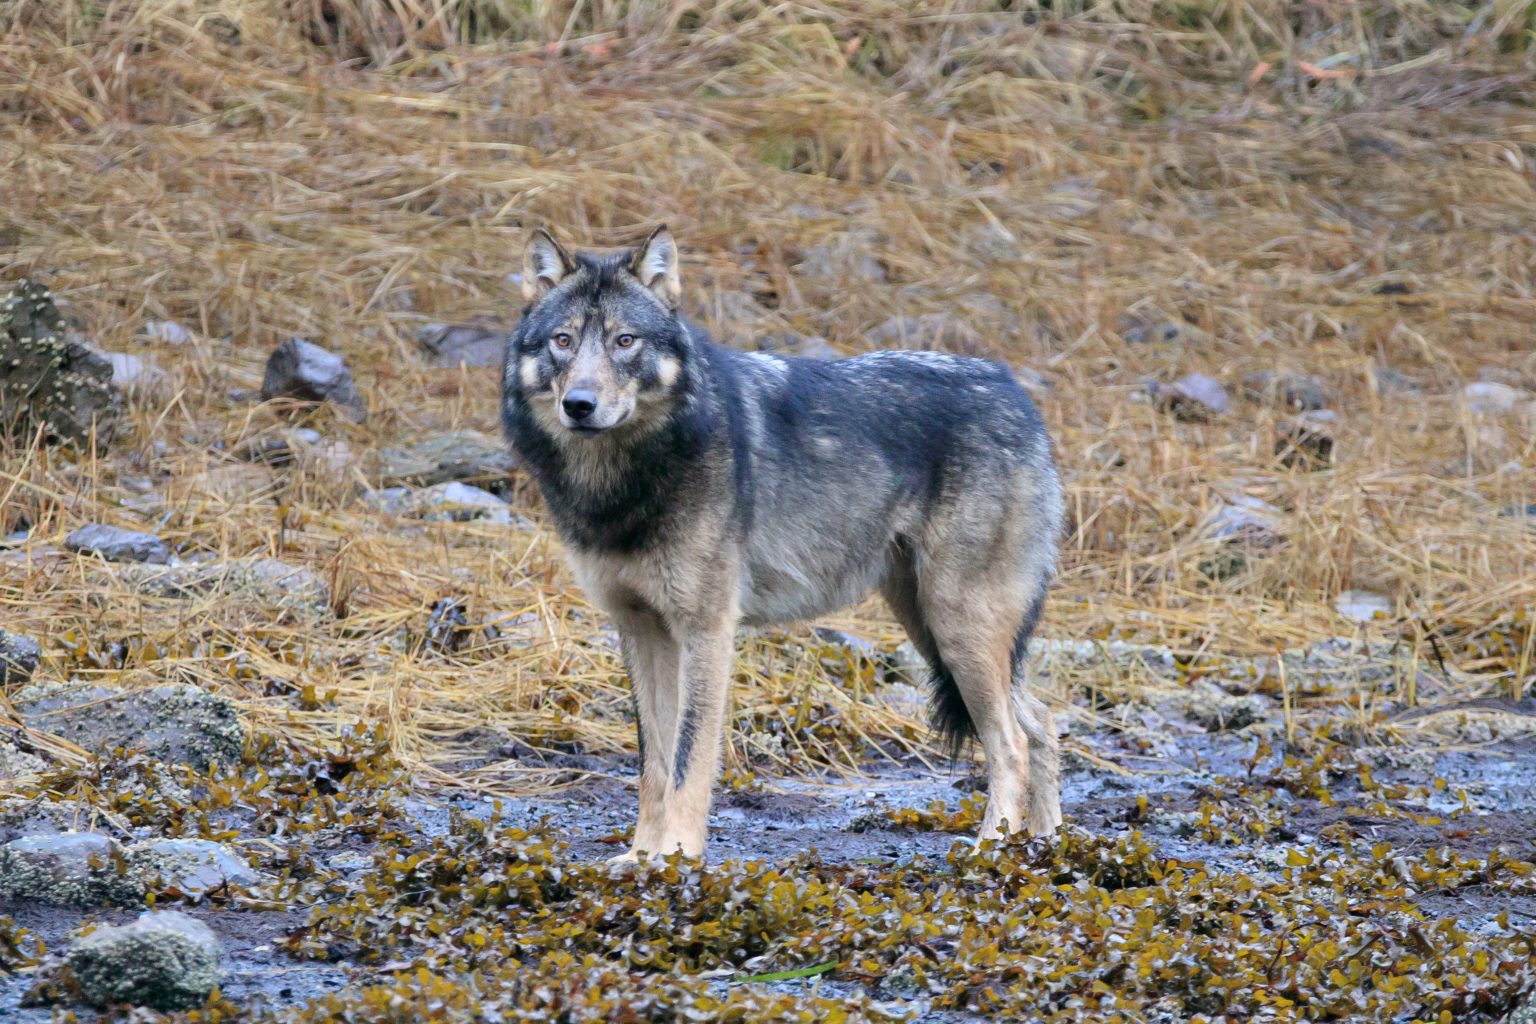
(563, 340)
(624, 340)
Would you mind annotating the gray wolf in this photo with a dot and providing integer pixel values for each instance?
(698, 488)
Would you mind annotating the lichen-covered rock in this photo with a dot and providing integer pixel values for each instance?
(1194, 398)
(165, 960)
(449, 502)
(175, 724)
(74, 869)
(301, 370)
(118, 545)
(263, 581)
(48, 379)
(1298, 392)
(19, 656)
(458, 455)
(15, 763)
(195, 866)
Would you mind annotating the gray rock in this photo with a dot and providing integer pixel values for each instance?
(447, 346)
(1243, 518)
(281, 449)
(31, 816)
(74, 869)
(459, 503)
(176, 724)
(165, 960)
(394, 501)
(1493, 398)
(1219, 711)
(1393, 382)
(167, 332)
(1298, 392)
(856, 646)
(261, 581)
(944, 332)
(133, 373)
(16, 763)
(905, 665)
(1363, 605)
(464, 455)
(307, 372)
(118, 545)
(19, 656)
(195, 866)
(50, 380)
(1193, 397)
(1306, 441)
(904, 698)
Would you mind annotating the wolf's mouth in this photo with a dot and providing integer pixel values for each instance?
(591, 430)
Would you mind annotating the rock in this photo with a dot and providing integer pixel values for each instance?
(855, 646)
(167, 332)
(19, 656)
(48, 379)
(905, 698)
(194, 866)
(1046, 651)
(464, 455)
(1194, 397)
(447, 346)
(1306, 441)
(176, 724)
(307, 372)
(118, 545)
(944, 332)
(459, 503)
(1363, 605)
(31, 816)
(1219, 711)
(134, 374)
(905, 665)
(1144, 323)
(1245, 519)
(259, 580)
(281, 449)
(74, 869)
(16, 763)
(1493, 398)
(843, 256)
(1298, 392)
(1393, 382)
(164, 960)
(395, 501)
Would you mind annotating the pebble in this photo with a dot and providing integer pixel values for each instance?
(118, 545)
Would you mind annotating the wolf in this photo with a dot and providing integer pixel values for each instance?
(698, 488)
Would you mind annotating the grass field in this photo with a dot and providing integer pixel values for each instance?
(1100, 194)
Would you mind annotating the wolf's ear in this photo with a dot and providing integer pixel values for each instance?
(545, 264)
(655, 264)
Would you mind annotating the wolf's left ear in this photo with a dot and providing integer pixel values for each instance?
(545, 264)
(655, 264)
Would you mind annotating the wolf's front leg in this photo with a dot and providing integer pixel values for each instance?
(695, 760)
(651, 656)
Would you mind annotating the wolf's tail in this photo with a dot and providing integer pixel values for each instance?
(947, 710)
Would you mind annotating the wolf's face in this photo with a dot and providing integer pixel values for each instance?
(601, 346)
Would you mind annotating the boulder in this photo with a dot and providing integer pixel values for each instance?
(304, 371)
(175, 724)
(50, 380)
(165, 960)
(194, 866)
(19, 656)
(451, 345)
(80, 869)
(118, 545)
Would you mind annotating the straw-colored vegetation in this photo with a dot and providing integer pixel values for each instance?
(1102, 194)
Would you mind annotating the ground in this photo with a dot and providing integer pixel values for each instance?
(1264, 266)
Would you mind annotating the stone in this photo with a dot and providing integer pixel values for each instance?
(1194, 398)
(459, 503)
(1216, 710)
(167, 332)
(1144, 323)
(463, 455)
(164, 960)
(80, 869)
(395, 501)
(118, 545)
(855, 646)
(1243, 518)
(1298, 392)
(1306, 441)
(49, 380)
(903, 698)
(943, 332)
(194, 866)
(1363, 605)
(301, 370)
(1389, 381)
(134, 374)
(262, 581)
(19, 656)
(177, 724)
(448, 346)
(280, 449)
(1493, 398)
(906, 665)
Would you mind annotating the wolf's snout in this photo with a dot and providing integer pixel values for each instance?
(579, 404)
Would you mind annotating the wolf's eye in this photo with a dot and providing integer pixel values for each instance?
(562, 340)
(624, 340)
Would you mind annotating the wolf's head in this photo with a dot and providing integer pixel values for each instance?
(600, 347)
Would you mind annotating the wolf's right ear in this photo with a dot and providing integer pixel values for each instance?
(545, 264)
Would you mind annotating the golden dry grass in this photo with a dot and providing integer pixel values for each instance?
(1325, 187)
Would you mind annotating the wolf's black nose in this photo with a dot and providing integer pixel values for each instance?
(579, 404)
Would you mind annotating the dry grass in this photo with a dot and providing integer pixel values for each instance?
(1323, 187)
